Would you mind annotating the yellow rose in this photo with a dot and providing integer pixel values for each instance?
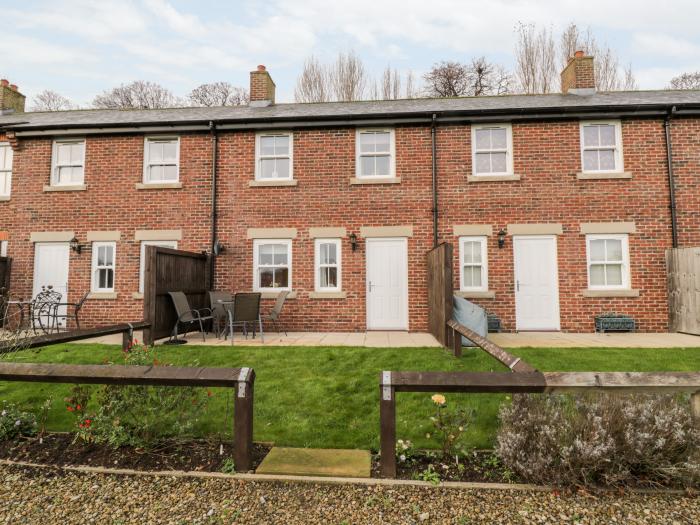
(438, 399)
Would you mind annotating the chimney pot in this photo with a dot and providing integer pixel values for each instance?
(14, 87)
(578, 54)
(261, 68)
(4, 82)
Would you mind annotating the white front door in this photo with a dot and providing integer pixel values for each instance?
(536, 283)
(51, 269)
(387, 284)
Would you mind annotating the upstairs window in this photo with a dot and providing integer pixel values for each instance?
(601, 147)
(272, 265)
(5, 169)
(608, 262)
(473, 275)
(492, 149)
(68, 162)
(161, 160)
(328, 265)
(375, 153)
(103, 262)
(273, 156)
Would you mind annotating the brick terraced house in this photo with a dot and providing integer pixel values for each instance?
(558, 206)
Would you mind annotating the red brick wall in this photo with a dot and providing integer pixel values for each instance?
(685, 138)
(546, 157)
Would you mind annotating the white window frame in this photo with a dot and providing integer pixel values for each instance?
(146, 161)
(256, 266)
(359, 154)
(626, 277)
(618, 155)
(142, 258)
(5, 173)
(94, 267)
(509, 149)
(3, 248)
(317, 265)
(484, 263)
(259, 156)
(55, 165)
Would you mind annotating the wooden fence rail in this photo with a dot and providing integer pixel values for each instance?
(241, 380)
(517, 382)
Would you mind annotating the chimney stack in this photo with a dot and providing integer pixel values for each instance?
(578, 77)
(11, 100)
(262, 88)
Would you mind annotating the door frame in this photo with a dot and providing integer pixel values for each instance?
(557, 328)
(368, 242)
(64, 298)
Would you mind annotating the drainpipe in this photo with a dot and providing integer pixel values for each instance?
(435, 194)
(671, 182)
(214, 147)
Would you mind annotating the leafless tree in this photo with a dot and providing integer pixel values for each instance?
(218, 94)
(348, 78)
(391, 84)
(447, 79)
(536, 57)
(313, 83)
(49, 100)
(139, 94)
(410, 85)
(455, 79)
(686, 81)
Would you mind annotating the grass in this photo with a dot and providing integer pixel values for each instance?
(328, 397)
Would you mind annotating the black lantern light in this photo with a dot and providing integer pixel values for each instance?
(75, 245)
(353, 241)
(501, 238)
(218, 248)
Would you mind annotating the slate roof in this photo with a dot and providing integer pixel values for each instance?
(465, 106)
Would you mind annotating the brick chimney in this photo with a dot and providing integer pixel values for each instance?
(11, 100)
(262, 88)
(578, 77)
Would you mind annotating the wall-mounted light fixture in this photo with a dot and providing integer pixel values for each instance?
(75, 245)
(219, 248)
(501, 238)
(353, 241)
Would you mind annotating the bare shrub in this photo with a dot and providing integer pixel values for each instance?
(600, 439)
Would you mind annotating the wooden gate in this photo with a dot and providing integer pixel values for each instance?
(683, 277)
(167, 270)
(440, 291)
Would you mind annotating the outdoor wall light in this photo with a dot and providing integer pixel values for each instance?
(501, 238)
(219, 248)
(353, 241)
(75, 245)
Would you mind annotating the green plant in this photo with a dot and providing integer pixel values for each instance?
(448, 426)
(228, 466)
(405, 452)
(43, 417)
(76, 404)
(15, 422)
(144, 416)
(429, 475)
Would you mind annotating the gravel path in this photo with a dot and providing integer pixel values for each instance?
(30, 495)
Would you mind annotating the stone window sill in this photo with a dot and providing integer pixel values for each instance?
(610, 293)
(358, 181)
(271, 183)
(492, 178)
(102, 295)
(486, 294)
(327, 295)
(74, 187)
(273, 295)
(137, 295)
(4, 198)
(604, 176)
(158, 186)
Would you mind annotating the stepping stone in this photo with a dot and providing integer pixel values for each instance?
(317, 462)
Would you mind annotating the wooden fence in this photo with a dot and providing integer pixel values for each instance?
(683, 278)
(440, 291)
(241, 380)
(517, 382)
(5, 267)
(167, 270)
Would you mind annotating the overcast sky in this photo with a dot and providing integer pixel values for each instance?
(79, 48)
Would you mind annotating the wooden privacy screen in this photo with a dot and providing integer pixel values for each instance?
(167, 270)
(440, 291)
(683, 277)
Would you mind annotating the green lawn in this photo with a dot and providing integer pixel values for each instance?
(328, 396)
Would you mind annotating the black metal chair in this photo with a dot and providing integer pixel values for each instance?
(246, 309)
(43, 310)
(187, 316)
(218, 311)
(276, 311)
(72, 311)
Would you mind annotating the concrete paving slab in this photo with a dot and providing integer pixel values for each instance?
(317, 462)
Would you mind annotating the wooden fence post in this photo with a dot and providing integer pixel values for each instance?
(128, 338)
(695, 406)
(387, 426)
(243, 421)
(456, 342)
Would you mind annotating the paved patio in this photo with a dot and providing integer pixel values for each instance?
(595, 340)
